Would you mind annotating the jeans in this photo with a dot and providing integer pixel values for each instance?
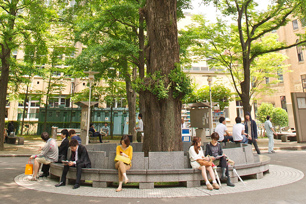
(271, 143)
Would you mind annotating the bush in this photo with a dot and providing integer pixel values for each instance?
(264, 110)
(279, 117)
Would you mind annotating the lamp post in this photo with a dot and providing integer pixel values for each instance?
(91, 77)
(209, 79)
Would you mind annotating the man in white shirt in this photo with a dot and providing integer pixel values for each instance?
(270, 132)
(139, 129)
(238, 132)
(221, 129)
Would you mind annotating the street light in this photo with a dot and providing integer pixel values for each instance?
(91, 77)
(209, 79)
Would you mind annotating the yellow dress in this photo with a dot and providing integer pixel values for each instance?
(128, 151)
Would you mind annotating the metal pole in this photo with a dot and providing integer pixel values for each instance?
(211, 112)
(88, 114)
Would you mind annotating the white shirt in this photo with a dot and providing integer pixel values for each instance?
(237, 132)
(220, 129)
(140, 125)
(193, 155)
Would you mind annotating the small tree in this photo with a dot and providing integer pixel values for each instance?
(264, 110)
(279, 118)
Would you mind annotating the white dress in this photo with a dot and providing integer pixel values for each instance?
(193, 156)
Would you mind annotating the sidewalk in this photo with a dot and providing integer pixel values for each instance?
(31, 147)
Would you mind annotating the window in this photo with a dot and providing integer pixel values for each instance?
(267, 80)
(283, 102)
(295, 25)
(239, 108)
(299, 51)
(303, 78)
(280, 76)
(60, 101)
(37, 82)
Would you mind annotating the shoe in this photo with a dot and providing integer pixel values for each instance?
(216, 186)
(229, 183)
(76, 186)
(33, 179)
(43, 175)
(118, 189)
(60, 184)
(273, 151)
(209, 186)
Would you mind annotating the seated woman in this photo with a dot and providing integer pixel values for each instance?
(73, 135)
(48, 154)
(196, 154)
(124, 154)
(214, 151)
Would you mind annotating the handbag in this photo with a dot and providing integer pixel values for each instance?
(28, 168)
(204, 162)
(125, 160)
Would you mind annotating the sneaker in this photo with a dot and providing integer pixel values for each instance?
(216, 186)
(273, 151)
(33, 179)
(209, 186)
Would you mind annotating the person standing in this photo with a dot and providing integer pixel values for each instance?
(139, 129)
(270, 131)
(221, 129)
(251, 131)
(79, 159)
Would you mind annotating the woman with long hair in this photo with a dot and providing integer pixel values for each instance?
(196, 156)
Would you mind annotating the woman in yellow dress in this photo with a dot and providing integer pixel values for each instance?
(124, 154)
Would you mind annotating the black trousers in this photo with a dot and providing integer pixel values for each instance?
(99, 135)
(78, 172)
(223, 164)
(45, 169)
(254, 142)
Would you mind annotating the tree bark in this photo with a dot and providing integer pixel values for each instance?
(131, 98)
(141, 61)
(162, 130)
(3, 84)
(24, 108)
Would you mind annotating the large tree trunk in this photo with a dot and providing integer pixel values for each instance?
(3, 84)
(245, 86)
(131, 98)
(162, 119)
(141, 61)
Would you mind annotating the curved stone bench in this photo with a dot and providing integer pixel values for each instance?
(161, 166)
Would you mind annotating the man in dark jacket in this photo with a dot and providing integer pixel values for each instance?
(79, 159)
(251, 130)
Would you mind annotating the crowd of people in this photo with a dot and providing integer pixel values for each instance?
(212, 158)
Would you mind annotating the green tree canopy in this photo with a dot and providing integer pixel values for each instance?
(263, 111)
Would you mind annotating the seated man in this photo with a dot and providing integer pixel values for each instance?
(79, 159)
(238, 132)
(105, 130)
(94, 133)
(221, 129)
(48, 154)
(73, 135)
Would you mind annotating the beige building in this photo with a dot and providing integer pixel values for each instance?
(291, 79)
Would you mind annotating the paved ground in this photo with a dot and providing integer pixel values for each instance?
(276, 187)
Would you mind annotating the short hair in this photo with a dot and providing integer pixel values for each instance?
(215, 136)
(126, 140)
(44, 136)
(73, 143)
(71, 132)
(140, 115)
(221, 119)
(238, 119)
(65, 132)
(268, 117)
(90, 125)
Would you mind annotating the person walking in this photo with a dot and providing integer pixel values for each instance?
(251, 131)
(269, 132)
